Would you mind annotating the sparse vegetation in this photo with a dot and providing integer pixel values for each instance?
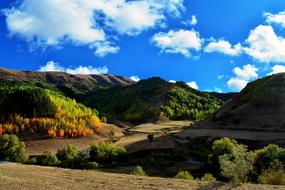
(184, 175)
(273, 177)
(208, 177)
(150, 137)
(106, 153)
(139, 171)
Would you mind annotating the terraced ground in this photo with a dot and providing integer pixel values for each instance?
(24, 177)
(168, 135)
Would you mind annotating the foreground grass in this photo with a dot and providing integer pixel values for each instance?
(14, 176)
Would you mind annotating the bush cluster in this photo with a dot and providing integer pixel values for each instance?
(237, 164)
(69, 157)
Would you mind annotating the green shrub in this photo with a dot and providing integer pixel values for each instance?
(32, 161)
(114, 137)
(208, 177)
(184, 175)
(11, 149)
(268, 157)
(237, 166)
(223, 146)
(106, 153)
(50, 160)
(68, 156)
(139, 171)
(150, 137)
(91, 165)
(272, 177)
(103, 119)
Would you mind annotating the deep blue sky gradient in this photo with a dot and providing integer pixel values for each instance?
(231, 20)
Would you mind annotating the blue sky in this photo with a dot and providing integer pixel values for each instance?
(214, 45)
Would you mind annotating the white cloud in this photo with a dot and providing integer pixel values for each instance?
(191, 22)
(216, 89)
(172, 81)
(135, 78)
(133, 17)
(180, 41)
(220, 77)
(88, 70)
(105, 48)
(278, 18)
(236, 84)
(277, 69)
(52, 66)
(224, 47)
(246, 73)
(242, 77)
(193, 84)
(52, 23)
(265, 46)
(85, 70)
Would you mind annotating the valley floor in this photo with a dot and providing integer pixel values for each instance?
(24, 177)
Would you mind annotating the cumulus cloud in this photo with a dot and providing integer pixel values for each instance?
(224, 47)
(236, 84)
(191, 22)
(105, 48)
(193, 84)
(242, 77)
(52, 66)
(277, 69)
(50, 22)
(264, 45)
(87, 70)
(53, 23)
(172, 81)
(178, 41)
(246, 73)
(135, 78)
(278, 18)
(133, 17)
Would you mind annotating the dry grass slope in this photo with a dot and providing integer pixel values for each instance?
(24, 177)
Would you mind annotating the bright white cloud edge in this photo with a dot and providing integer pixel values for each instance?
(52, 66)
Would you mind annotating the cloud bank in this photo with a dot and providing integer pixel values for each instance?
(54, 23)
(52, 66)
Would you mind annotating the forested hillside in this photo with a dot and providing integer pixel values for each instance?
(28, 110)
(151, 98)
(113, 96)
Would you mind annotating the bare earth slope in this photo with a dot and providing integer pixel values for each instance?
(13, 176)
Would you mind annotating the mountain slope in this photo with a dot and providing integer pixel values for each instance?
(72, 85)
(260, 106)
(152, 98)
(30, 111)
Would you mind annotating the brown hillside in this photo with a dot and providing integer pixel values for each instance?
(88, 82)
(260, 106)
(14, 176)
